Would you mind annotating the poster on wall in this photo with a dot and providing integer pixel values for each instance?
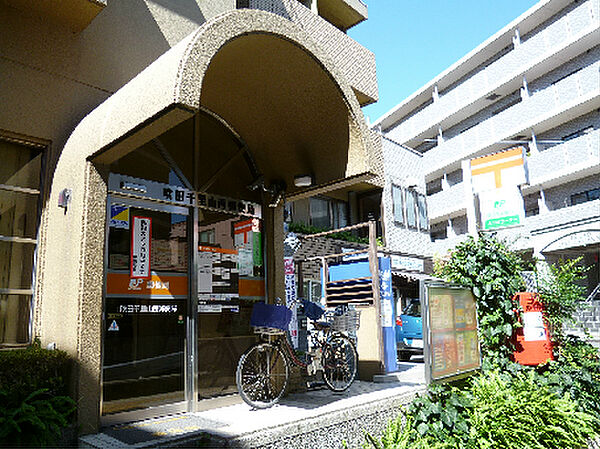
(119, 216)
(450, 331)
(218, 280)
(141, 235)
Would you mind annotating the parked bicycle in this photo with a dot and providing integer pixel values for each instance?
(264, 369)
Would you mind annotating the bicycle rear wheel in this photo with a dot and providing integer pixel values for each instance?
(340, 362)
(262, 375)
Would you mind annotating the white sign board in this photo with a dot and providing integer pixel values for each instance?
(141, 235)
(501, 208)
(407, 263)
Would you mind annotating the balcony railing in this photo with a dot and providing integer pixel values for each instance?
(542, 105)
(567, 31)
(584, 212)
(447, 202)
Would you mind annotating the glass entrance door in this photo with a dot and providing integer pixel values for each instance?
(146, 305)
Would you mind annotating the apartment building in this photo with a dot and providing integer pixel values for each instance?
(146, 147)
(536, 84)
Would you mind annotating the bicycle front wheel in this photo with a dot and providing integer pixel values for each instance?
(340, 361)
(262, 375)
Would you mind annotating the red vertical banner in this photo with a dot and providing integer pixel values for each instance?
(141, 243)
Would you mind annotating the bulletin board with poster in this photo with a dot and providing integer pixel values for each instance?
(450, 331)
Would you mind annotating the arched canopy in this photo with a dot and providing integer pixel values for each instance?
(265, 77)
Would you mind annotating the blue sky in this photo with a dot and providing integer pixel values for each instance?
(415, 40)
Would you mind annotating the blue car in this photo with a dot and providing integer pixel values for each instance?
(409, 331)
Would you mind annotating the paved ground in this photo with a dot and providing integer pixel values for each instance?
(319, 414)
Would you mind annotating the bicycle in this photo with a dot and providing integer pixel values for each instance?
(263, 370)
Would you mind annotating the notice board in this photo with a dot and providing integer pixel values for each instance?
(450, 331)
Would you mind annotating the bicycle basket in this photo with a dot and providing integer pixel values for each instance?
(269, 318)
(348, 322)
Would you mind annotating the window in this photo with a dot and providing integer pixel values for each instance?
(411, 208)
(433, 186)
(328, 213)
(398, 204)
(584, 197)
(532, 204)
(422, 209)
(414, 215)
(20, 180)
(439, 231)
(207, 237)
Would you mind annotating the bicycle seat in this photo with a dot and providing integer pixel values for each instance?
(319, 325)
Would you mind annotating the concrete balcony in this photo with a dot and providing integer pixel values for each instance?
(343, 14)
(565, 162)
(441, 247)
(353, 60)
(447, 203)
(583, 213)
(75, 14)
(544, 51)
(558, 103)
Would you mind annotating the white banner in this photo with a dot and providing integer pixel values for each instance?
(501, 208)
(141, 234)
(290, 297)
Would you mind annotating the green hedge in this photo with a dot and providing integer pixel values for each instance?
(34, 401)
(24, 371)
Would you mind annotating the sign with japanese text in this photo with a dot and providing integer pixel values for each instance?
(173, 194)
(290, 297)
(407, 263)
(158, 285)
(501, 208)
(450, 331)
(141, 237)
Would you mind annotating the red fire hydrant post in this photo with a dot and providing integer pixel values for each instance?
(532, 341)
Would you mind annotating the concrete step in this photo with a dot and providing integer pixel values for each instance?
(316, 419)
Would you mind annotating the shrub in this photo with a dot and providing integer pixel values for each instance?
(516, 412)
(34, 405)
(561, 295)
(35, 421)
(576, 372)
(492, 271)
(491, 411)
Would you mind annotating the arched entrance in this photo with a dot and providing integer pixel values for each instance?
(247, 100)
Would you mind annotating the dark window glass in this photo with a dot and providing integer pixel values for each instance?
(593, 194)
(582, 197)
(21, 165)
(18, 214)
(14, 318)
(413, 309)
(319, 213)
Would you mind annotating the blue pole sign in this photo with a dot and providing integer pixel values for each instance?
(387, 315)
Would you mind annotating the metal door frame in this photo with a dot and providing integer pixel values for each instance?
(190, 371)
